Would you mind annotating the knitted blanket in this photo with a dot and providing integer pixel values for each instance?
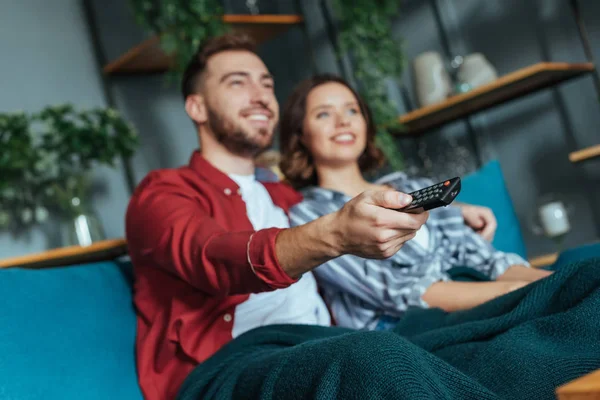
(520, 346)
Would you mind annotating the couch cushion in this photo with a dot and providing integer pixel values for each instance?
(583, 252)
(68, 333)
(486, 187)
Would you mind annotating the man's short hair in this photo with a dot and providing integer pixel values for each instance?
(212, 46)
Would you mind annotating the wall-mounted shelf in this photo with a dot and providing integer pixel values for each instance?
(585, 388)
(148, 57)
(544, 260)
(99, 251)
(585, 154)
(514, 85)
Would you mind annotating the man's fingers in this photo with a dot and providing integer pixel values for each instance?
(488, 232)
(388, 199)
(478, 223)
(489, 229)
(392, 235)
(399, 220)
(397, 243)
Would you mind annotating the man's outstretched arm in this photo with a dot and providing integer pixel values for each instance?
(367, 226)
(172, 231)
(171, 228)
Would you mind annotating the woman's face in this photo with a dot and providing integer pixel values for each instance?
(334, 129)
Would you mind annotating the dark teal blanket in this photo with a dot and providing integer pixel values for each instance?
(520, 346)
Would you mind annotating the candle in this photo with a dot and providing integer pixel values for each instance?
(554, 219)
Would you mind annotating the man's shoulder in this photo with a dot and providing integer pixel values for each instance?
(171, 181)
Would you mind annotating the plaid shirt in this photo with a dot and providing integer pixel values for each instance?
(364, 293)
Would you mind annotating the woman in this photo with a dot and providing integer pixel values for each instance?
(327, 142)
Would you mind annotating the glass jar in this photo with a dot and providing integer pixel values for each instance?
(82, 229)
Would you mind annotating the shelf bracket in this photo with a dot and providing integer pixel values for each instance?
(108, 95)
(585, 41)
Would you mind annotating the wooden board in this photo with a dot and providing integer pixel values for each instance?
(585, 154)
(543, 261)
(505, 88)
(148, 57)
(99, 251)
(584, 388)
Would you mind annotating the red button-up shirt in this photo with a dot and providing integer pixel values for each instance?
(188, 233)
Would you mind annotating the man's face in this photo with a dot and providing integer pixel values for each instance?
(241, 109)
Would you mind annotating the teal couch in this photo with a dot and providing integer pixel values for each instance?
(68, 333)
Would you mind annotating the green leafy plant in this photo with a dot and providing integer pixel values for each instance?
(47, 159)
(366, 36)
(181, 24)
(21, 175)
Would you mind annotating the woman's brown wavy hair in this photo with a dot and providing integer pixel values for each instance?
(296, 161)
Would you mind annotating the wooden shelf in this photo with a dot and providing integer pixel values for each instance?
(514, 85)
(584, 388)
(99, 251)
(585, 154)
(543, 261)
(148, 57)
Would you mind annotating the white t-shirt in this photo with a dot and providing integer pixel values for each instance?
(422, 237)
(299, 303)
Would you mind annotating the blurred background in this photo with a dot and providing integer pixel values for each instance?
(95, 54)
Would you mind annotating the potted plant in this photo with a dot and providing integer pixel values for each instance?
(49, 161)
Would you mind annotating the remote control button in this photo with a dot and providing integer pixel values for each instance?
(447, 183)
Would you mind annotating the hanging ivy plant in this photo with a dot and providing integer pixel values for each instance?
(182, 26)
(366, 36)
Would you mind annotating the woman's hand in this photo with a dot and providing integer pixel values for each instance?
(456, 296)
(523, 273)
(480, 219)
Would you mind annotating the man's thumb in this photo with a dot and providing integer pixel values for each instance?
(390, 199)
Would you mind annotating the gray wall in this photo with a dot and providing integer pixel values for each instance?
(532, 136)
(51, 60)
(47, 58)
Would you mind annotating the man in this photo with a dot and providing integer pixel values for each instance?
(211, 246)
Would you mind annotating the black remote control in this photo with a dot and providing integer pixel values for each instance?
(438, 195)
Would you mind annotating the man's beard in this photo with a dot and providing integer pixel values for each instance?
(235, 138)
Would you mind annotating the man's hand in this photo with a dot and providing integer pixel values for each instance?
(367, 226)
(370, 225)
(480, 219)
